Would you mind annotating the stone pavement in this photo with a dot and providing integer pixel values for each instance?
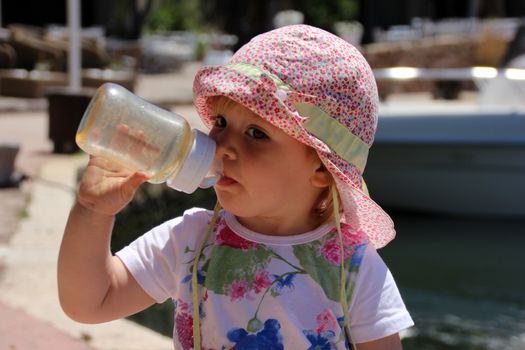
(32, 219)
(18, 330)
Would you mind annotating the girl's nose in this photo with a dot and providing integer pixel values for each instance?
(225, 147)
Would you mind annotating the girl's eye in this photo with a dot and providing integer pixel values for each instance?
(219, 121)
(256, 134)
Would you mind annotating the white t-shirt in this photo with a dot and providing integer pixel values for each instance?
(261, 291)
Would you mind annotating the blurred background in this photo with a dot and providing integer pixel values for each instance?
(448, 162)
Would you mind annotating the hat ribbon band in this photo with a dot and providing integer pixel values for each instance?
(255, 73)
(327, 129)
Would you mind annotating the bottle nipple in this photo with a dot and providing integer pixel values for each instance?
(213, 175)
(196, 166)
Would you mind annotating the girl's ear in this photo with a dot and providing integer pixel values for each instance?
(321, 177)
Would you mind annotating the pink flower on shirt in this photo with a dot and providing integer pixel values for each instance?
(331, 250)
(238, 290)
(262, 281)
(243, 289)
(183, 306)
(184, 325)
(326, 321)
(227, 237)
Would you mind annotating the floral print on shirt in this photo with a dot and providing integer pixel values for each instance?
(244, 275)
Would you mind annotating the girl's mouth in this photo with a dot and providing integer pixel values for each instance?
(225, 181)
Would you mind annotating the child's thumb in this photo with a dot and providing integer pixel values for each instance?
(133, 182)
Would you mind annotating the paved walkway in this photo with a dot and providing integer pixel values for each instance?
(18, 330)
(32, 220)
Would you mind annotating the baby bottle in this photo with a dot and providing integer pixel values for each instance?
(122, 127)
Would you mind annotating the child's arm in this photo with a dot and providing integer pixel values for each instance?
(93, 285)
(391, 342)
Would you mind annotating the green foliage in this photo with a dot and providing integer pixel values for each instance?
(174, 15)
(131, 18)
(323, 13)
(193, 15)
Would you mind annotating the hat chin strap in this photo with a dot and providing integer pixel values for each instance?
(194, 280)
(342, 277)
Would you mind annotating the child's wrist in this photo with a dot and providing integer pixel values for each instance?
(91, 213)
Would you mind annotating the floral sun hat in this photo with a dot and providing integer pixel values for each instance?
(320, 90)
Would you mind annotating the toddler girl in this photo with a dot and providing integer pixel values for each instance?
(290, 261)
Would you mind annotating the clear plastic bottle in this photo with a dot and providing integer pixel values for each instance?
(122, 127)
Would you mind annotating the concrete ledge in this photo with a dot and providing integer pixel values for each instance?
(29, 278)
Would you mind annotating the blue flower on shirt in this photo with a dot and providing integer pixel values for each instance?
(267, 338)
(341, 323)
(200, 278)
(357, 257)
(320, 341)
(283, 283)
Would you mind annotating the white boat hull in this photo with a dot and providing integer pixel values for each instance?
(454, 163)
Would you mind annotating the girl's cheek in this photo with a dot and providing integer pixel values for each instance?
(256, 152)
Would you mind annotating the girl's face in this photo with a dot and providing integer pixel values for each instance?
(271, 181)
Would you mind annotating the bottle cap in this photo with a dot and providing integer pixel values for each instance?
(196, 164)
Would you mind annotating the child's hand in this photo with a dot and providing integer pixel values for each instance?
(106, 187)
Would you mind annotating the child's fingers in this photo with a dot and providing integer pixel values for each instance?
(109, 167)
(119, 141)
(137, 144)
(138, 178)
(132, 183)
(96, 135)
(133, 143)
